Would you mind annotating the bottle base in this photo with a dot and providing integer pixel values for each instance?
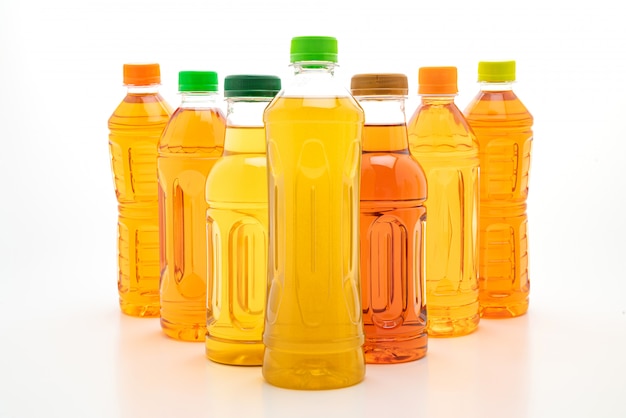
(313, 371)
(447, 327)
(142, 311)
(234, 352)
(503, 311)
(183, 332)
(379, 351)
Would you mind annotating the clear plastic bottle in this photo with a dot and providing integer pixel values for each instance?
(443, 143)
(503, 127)
(314, 329)
(134, 131)
(393, 216)
(190, 145)
(236, 193)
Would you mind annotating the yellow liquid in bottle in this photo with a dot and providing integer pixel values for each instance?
(190, 146)
(238, 232)
(442, 142)
(503, 127)
(314, 329)
(135, 128)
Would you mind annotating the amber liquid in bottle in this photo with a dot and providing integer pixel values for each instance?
(189, 147)
(393, 191)
(135, 128)
(503, 127)
(313, 329)
(442, 142)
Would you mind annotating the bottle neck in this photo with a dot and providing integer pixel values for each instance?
(385, 124)
(150, 89)
(198, 100)
(313, 79)
(246, 112)
(319, 69)
(439, 99)
(496, 86)
(383, 110)
(245, 133)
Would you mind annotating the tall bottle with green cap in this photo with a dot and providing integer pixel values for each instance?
(189, 147)
(134, 131)
(443, 143)
(236, 193)
(314, 326)
(503, 127)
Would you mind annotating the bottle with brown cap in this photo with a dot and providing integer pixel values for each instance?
(443, 142)
(393, 216)
(134, 131)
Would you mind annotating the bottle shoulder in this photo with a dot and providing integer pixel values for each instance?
(285, 108)
(194, 128)
(391, 176)
(144, 110)
(440, 128)
(238, 178)
(497, 107)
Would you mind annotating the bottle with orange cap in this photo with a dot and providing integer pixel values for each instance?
(134, 131)
(503, 127)
(393, 191)
(443, 143)
(191, 144)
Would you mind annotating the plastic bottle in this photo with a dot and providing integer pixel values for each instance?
(190, 145)
(393, 191)
(314, 328)
(443, 143)
(503, 127)
(135, 128)
(236, 192)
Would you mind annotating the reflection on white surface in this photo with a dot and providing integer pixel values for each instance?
(483, 374)
(98, 362)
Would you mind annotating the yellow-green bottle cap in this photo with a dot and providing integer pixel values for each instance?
(496, 71)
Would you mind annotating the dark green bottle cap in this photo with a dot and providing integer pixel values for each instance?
(247, 85)
(197, 81)
(314, 48)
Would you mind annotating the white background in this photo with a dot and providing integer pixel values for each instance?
(66, 351)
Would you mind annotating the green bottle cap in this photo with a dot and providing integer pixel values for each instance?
(246, 85)
(199, 81)
(314, 48)
(496, 71)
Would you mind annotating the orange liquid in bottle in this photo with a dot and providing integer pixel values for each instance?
(503, 127)
(393, 191)
(191, 144)
(135, 128)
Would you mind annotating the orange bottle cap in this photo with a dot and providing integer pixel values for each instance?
(142, 74)
(438, 80)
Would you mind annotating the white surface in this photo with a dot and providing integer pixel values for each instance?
(65, 350)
